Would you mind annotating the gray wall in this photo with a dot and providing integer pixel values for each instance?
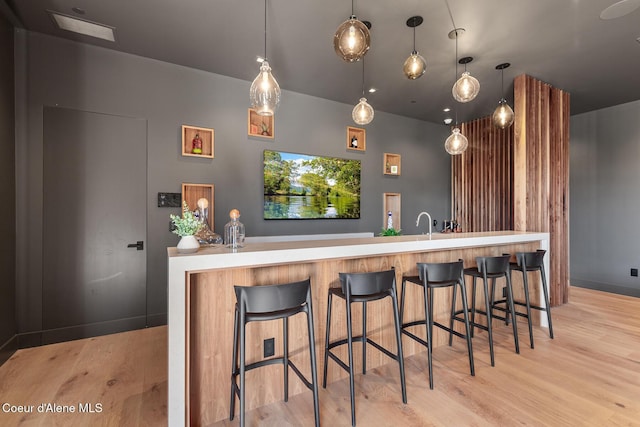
(605, 200)
(8, 327)
(53, 71)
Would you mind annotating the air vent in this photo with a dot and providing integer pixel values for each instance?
(80, 26)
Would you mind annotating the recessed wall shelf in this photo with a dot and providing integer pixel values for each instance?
(197, 141)
(356, 139)
(191, 193)
(391, 164)
(391, 202)
(262, 126)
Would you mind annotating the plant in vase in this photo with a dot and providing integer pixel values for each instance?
(186, 226)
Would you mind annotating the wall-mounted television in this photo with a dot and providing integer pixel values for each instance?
(301, 186)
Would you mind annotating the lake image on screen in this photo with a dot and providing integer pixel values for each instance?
(299, 186)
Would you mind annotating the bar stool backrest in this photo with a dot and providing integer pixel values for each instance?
(440, 273)
(531, 259)
(369, 283)
(271, 298)
(494, 264)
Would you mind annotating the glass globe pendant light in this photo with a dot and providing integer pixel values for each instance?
(467, 87)
(457, 143)
(264, 93)
(415, 65)
(503, 116)
(352, 38)
(362, 113)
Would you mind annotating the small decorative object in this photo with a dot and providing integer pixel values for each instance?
(354, 141)
(389, 220)
(234, 231)
(186, 227)
(387, 167)
(394, 169)
(205, 236)
(197, 144)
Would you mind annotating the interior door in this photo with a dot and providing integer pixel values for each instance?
(94, 222)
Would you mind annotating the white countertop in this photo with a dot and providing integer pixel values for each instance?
(271, 253)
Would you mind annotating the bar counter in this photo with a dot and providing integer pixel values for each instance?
(201, 306)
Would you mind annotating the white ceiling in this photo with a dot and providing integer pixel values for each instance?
(561, 42)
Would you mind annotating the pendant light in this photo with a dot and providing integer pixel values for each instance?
(362, 113)
(352, 38)
(456, 143)
(467, 87)
(503, 116)
(415, 65)
(265, 91)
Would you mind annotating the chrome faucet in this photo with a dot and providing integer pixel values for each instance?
(428, 216)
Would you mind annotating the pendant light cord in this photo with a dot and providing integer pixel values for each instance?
(363, 77)
(265, 30)
(352, 10)
(502, 83)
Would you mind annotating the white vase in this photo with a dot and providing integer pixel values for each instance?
(188, 245)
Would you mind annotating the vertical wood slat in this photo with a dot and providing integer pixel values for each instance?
(541, 172)
(482, 196)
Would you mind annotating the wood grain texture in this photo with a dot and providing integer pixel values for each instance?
(211, 324)
(541, 172)
(586, 376)
(482, 178)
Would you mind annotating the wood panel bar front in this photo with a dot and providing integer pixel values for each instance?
(200, 343)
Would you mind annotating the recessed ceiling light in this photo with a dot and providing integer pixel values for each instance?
(448, 121)
(80, 26)
(372, 90)
(446, 110)
(259, 59)
(620, 9)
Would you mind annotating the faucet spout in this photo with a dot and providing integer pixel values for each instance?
(430, 221)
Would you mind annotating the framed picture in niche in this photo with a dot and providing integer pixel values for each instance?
(261, 126)
(356, 139)
(197, 141)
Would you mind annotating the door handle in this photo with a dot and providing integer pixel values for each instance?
(139, 245)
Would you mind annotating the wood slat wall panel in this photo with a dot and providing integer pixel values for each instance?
(482, 197)
(541, 180)
(518, 178)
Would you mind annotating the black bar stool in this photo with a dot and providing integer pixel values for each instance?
(270, 302)
(526, 262)
(438, 275)
(364, 288)
(492, 268)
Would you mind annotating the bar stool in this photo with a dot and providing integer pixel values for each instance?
(430, 276)
(492, 268)
(270, 302)
(364, 288)
(526, 262)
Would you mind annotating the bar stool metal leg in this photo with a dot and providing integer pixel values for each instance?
(488, 308)
(546, 300)
(351, 373)
(364, 337)
(513, 312)
(326, 341)
(528, 307)
(285, 344)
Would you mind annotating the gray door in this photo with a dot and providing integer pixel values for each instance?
(95, 181)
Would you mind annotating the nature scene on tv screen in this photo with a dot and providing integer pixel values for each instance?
(300, 186)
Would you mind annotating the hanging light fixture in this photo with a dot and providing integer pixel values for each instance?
(415, 65)
(352, 38)
(265, 91)
(456, 143)
(362, 113)
(467, 87)
(503, 116)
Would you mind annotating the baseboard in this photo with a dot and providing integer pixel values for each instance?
(8, 348)
(605, 287)
(156, 320)
(51, 336)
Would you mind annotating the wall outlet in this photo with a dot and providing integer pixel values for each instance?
(269, 347)
(634, 272)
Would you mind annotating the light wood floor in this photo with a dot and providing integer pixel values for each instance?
(589, 375)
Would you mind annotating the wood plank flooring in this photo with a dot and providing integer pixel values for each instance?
(589, 375)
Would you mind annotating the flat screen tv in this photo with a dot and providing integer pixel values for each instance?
(301, 186)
